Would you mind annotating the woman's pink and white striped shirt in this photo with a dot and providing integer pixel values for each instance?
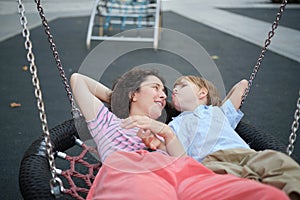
(110, 137)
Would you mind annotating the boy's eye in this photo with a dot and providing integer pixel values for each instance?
(179, 86)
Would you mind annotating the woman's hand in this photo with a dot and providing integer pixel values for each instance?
(89, 94)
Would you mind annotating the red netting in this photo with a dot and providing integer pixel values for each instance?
(73, 175)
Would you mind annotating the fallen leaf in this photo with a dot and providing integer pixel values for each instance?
(14, 105)
(214, 57)
(25, 68)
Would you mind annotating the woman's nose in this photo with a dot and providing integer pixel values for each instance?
(163, 95)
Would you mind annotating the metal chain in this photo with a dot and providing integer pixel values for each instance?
(75, 110)
(294, 128)
(264, 50)
(271, 33)
(55, 181)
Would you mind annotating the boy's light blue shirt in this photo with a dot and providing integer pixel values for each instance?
(208, 129)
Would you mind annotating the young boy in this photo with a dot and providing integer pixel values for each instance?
(206, 125)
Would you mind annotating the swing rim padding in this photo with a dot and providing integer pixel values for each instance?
(34, 172)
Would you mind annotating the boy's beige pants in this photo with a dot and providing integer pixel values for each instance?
(268, 166)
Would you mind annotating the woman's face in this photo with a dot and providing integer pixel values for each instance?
(150, 100)
(185, 96)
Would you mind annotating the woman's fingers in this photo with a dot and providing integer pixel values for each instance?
(142, 122)
(135, 121)
(127, 123)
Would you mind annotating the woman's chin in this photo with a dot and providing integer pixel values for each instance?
(155, 113)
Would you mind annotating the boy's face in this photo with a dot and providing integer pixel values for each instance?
(185, 96)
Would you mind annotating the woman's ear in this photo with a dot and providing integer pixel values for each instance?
(203, 93)
(132, 96)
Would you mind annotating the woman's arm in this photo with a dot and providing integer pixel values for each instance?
(172, 144)
(236, 93)
(89, 94)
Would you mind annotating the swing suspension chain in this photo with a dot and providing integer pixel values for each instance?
(264, 50)
(75, 110)
(55, 182)
(271, 33)
(294, 128)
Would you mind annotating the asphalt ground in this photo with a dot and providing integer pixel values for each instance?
(269, 107)
(289, 19)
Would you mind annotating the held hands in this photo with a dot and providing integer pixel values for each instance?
(149, 130)
(151, 140)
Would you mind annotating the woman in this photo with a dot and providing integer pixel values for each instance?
(128, 171)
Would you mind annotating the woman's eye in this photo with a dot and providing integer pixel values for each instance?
(155, 87)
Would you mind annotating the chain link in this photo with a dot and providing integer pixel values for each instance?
(263, 51)
(38, 94)
(294, 128)
(56, 56)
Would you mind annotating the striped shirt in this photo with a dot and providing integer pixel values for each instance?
(110, 137)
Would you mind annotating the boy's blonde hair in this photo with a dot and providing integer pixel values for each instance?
(213, 96)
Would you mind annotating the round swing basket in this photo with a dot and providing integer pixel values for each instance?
(34, 174)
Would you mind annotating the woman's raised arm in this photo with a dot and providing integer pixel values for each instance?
(89, 94)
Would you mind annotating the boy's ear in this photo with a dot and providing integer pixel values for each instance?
(203, 93)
